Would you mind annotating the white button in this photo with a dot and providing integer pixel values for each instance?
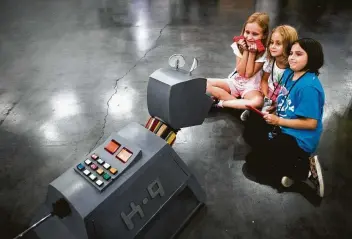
(86, 172)
(92, 177)
(106, 165)
(100, 161)
(98, 182)
(88, 162)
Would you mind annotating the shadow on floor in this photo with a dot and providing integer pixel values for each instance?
(302, 188)
(11, 173)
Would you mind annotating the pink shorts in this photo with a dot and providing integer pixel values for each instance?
(240, 86)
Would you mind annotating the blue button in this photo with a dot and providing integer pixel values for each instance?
(80, 167)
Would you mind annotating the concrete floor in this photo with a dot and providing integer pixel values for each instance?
(72, 72)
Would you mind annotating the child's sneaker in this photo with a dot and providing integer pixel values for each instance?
(244, 115)
(287, 182)
(316, 175)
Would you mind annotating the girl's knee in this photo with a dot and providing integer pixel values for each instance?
(211, 81)
(257, 101)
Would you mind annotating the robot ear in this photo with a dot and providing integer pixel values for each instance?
(177, 61)
(194, 65)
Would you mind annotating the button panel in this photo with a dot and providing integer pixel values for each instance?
(108, 161)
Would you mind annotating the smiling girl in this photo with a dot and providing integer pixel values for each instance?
(298, 120)
(244, 81)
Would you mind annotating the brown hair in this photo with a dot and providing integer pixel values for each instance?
(262, 19)
(289, 35)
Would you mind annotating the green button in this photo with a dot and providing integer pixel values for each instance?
(106, 176)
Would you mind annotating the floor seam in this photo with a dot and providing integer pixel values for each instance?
(8, 112)
(120, 78)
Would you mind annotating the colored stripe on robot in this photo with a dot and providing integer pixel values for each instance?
(161, 129)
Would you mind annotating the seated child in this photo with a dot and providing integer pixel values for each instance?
(244, 81)
(285, 155)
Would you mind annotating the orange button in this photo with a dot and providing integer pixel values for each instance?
(124, 155)
(112, 147)
(113, 170)
(100, 171)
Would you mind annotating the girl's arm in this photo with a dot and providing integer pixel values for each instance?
(309, 109)
(241, 63)
(264, 84)
(252, 67)
(302, 123)
(246, 66)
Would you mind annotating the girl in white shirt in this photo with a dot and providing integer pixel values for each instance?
(244, 81)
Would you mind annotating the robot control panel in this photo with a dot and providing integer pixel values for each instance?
(108, 162)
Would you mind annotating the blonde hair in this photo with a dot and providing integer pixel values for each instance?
(288, 34)
(262, 19)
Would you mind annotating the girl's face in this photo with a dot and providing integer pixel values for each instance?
(276, 47)
(298, 58)
(253, 32)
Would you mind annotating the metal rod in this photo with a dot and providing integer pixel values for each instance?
(35, 225)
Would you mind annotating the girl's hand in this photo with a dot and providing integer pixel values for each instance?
(271, 119)
(272, 108)
(252, 47)
(242, 44)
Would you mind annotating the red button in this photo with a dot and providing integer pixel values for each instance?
(124, 155)
(94, 156)
(93, 166)
(112, 147)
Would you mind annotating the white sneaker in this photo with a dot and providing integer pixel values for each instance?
(244, 115)
(316, 176)
(287, 182)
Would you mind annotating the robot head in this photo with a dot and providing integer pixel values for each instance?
(177, 98)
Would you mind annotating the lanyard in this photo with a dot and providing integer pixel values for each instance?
(290, 77)
(272, 79)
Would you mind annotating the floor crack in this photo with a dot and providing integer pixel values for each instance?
(8, 112)
(120, 78)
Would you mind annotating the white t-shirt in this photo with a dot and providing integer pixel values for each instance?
(275, 76)
(234, 75)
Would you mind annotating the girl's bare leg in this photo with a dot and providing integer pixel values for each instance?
(219, 88)
(220, 83)
(253, 98)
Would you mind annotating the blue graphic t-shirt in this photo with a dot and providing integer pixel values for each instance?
(306, 99)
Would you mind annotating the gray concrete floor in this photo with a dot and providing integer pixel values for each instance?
(72, 72)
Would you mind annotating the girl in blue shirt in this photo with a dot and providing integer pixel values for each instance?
(297, 122)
